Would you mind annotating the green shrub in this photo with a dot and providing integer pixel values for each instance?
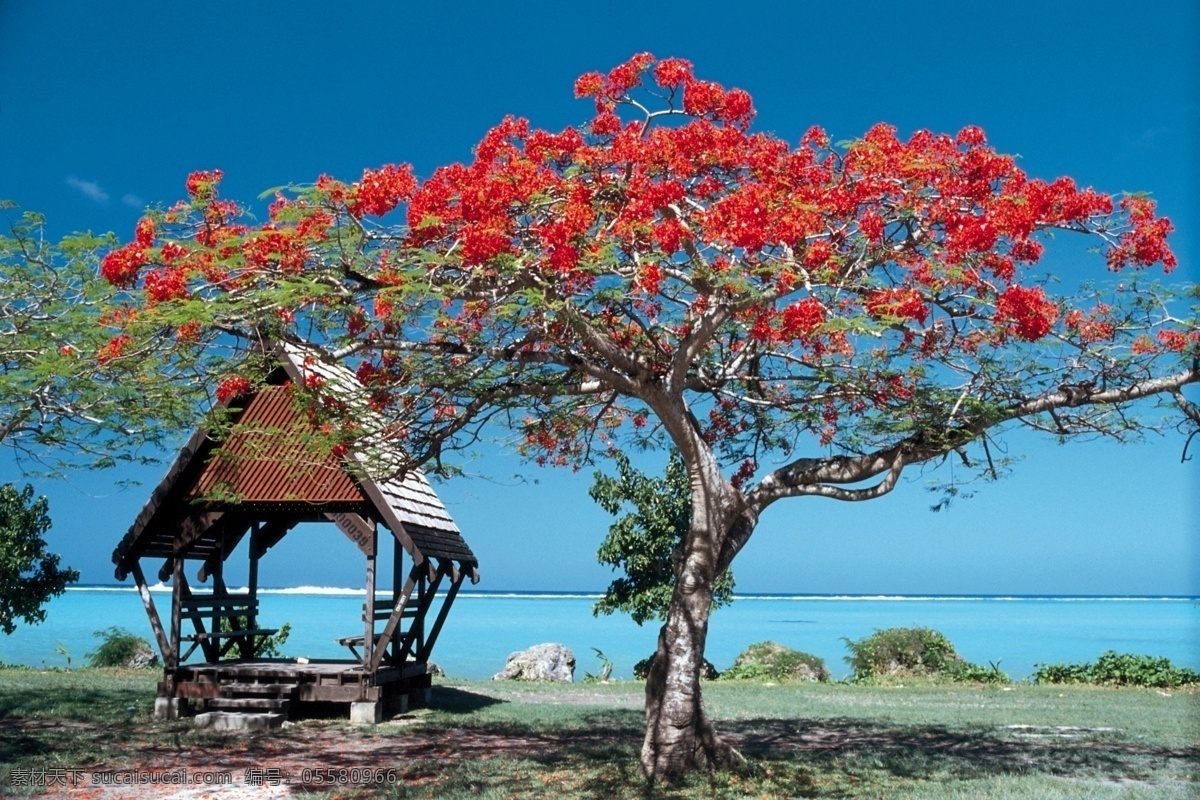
(642, 668)
(902, 652)
(1119, 669)
(772, 661)
(120, 648)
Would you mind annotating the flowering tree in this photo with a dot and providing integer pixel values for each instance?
(797, 321)
(63, 401)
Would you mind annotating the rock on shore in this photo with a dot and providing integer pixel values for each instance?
(543, 662)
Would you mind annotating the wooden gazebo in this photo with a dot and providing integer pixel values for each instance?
(257, 484)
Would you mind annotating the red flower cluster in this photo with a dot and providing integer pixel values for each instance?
(800, 320)
(1025, 312)
(902, 303)
(165, 284)
(1146, 244)
(231, 388)
(383, 189)
(115, 348)
(202, 185)
(1093, 327)
(120, 267)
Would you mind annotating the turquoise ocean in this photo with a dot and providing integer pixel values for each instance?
(484, 627)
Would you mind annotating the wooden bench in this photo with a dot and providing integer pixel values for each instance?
(383, 610)
(238, 609)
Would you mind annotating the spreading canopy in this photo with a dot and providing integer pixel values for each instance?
(856, 300)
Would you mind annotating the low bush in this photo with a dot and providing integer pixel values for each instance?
(1119, 669)
(901, 652)
(642, 668)
(772, 661)
(120, 648)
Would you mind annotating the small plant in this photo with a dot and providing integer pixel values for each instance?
(774, 662)
(606, 668)
(61, 649)
(118, 648)
(966, 672)
(1119, 669)
(260, 646)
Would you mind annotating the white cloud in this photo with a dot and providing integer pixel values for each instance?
(133, 201)
(89, 189)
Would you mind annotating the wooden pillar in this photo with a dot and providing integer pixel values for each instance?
(255, 553)
(176, 609)
(397, 588)
(369, 606)
(160, 637)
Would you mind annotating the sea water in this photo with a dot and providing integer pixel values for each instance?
(484, 627)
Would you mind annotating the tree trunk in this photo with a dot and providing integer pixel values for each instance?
(679, 735)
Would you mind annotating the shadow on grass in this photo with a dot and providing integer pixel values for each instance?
(794, 758)
(459, 701)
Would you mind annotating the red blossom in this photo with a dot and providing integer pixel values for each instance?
(902, 303)
(115, 348)
(670, 72)
(163, 285)
(589, 84)
(120, 267)
(800, 320)
(1025, 312)
(144, 232)
(202, 185)
(383, 189)
(232, 387)
(650, 278)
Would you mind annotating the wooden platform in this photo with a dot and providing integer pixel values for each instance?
(325, 681)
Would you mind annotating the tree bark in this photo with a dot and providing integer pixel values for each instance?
(679, 735)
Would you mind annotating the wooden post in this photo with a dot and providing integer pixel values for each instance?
(397, 587)
(255, 554)
(393, 621)
(368, 659)
(160, 636)
(176, 609)
(424, 649)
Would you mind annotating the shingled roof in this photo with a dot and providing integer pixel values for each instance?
(265, 468)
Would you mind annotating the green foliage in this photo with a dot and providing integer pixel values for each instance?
(642, 669)
(641, 542)
(1119, 669)
(772, 661)
(262, 646)
(67, 397)
(29, 576)
(902, 652)
(117, 647)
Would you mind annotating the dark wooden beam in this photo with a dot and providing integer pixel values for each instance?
(389, 630)
(160, 636)
(369, 608)
(176, 610)
(357, 530)
(191, 530)
(418, 624)
(456, 581)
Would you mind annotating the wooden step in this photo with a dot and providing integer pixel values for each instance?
(268, 689)
(247, 704)
(224, 720)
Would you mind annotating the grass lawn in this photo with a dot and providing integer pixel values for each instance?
(491, 740)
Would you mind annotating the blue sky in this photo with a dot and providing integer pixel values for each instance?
(105, 107)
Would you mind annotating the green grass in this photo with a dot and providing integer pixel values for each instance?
(494, 740)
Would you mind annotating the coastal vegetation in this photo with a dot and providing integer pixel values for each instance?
(484, 740)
